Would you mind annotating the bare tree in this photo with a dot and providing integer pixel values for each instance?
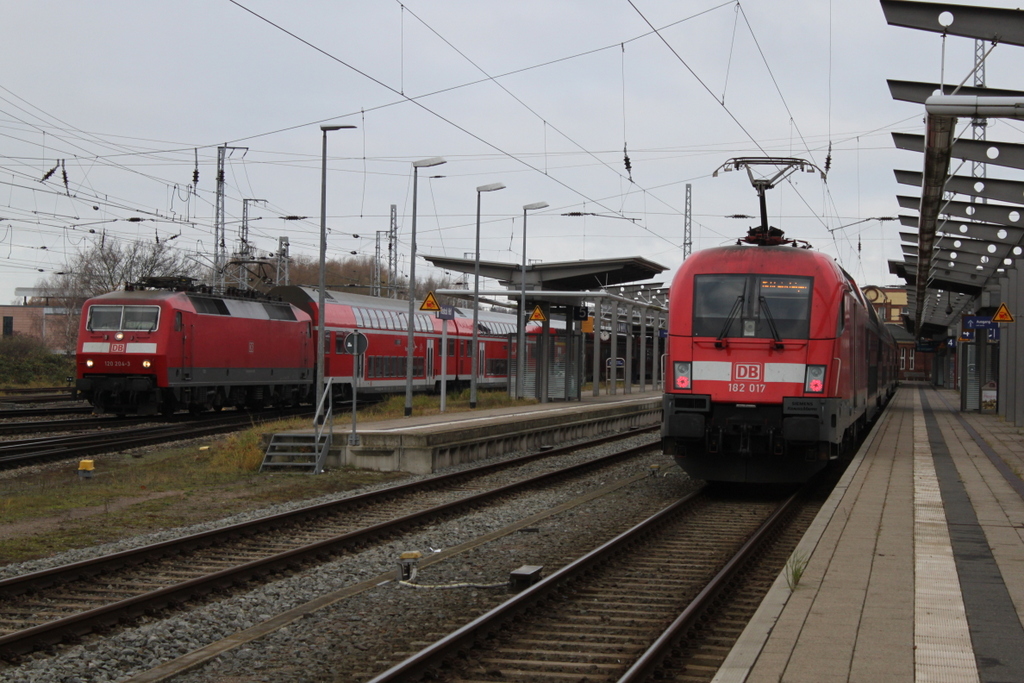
(107, 266)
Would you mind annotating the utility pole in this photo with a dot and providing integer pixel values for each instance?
(282, 261)
(220, 252)
(393, 252)
(245, 254)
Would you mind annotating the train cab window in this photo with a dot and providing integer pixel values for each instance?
(177, 321)
(114, 318)
(744, 305)
(104, 318)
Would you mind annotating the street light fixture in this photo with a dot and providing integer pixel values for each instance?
(476, 291)
(320, 344)
(416, 166)
(521, 352)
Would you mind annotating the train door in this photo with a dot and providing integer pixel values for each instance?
(430, 361)
(481, 360)
(187, 344)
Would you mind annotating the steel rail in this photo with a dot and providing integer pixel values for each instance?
(418, 666)
(74, 626)
(40, 412)
(649, 661)
(21, 452)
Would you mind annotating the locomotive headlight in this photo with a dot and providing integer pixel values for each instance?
(88, 363)
(814, 379)
(146, 363)
(681, 374)
(119, 336)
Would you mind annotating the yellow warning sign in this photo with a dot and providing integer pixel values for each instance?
(430, 303)
(537, 315)
(1002, 315)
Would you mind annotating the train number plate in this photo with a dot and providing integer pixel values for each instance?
(746, 387)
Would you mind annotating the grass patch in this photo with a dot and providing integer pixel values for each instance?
(157, 488)
(795, 567)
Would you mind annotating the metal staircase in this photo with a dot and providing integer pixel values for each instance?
(291, 452)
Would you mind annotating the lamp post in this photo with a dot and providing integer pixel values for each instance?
(320, 344)
(416, 166)
(476, 291)
(521, 353)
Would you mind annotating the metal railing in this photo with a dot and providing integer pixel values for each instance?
(323, 423)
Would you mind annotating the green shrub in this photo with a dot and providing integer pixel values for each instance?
(26, 360)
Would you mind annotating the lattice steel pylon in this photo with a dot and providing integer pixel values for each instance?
(978, 124)
(688, 222)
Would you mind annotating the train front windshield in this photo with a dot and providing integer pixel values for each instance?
(759, 306)
(121, 318)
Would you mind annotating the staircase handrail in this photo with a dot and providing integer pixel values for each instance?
(324, 422)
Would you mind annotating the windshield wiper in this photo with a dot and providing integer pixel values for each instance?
(771, 321)
(728, 321)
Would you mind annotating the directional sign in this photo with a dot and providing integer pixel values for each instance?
(356, 343)
(976, 322)
(430, 303)
(537, 315)
(1002, 315)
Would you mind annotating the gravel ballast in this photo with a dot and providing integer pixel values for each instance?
(363, 635)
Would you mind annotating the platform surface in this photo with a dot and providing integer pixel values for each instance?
(914, 569)
(342, 424)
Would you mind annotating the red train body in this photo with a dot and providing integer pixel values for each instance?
(152, 351)
(775, 362)
(156, 351)
(385, 323)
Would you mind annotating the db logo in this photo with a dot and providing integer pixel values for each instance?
(750, 372)
(117, 348)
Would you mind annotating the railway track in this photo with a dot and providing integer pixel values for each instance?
(53, 411)
(12, 428)
(23, 452)
(620, 612)
(67, 395)
(42, 609)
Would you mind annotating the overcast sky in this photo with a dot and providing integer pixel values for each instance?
(542, 96)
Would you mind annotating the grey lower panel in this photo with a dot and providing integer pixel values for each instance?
(177, 377)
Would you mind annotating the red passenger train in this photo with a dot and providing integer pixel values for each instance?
(166, 346)
(775, 362)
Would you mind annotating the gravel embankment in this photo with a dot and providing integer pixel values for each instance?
(363, 635)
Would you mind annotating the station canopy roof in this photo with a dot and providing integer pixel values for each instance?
(555, 281)
(968, 229)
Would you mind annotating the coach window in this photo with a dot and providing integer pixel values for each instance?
(339, 342)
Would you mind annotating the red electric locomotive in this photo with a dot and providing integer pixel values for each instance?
(146, 351)
(775, 362)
